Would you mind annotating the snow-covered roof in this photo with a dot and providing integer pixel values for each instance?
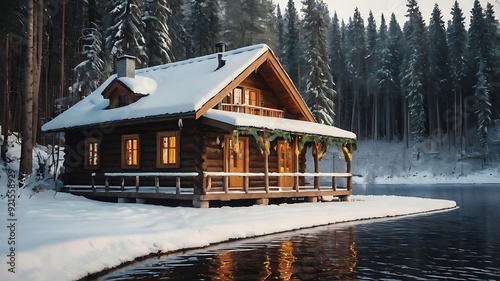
(176, 88)
(243, 120)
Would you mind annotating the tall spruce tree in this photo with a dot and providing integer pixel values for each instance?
(397, 52)
(280, 28)
(319, 95)
(493, 64)
(125, 34)
(291, 61)
(386, 82)
(89, 73)
(356, 54)
(457, 51)
(157, 37)
(416, 74)
(478, 47)
(438, 57)
(203, 26)
(372, 65)
(250, 22)
(337, 66)
(483, 111)
(178, 34)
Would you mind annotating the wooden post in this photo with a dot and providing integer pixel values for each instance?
(178, 185)
(246, 183)
(316, 165)
(157, 184)
(266, 164)
(93, 183)
(225, 184)
(296, 163)
(209, 183)
(334, 183)
(136, 183)
(106, 185)
(123, 184)
(349, 179)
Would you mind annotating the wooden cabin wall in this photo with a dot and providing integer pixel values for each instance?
(110, 153)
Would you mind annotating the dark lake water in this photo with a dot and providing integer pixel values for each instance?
(461, 244)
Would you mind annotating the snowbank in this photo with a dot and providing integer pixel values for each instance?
(64, 237)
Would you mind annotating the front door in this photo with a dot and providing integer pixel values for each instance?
(236, 159)
(285, 161)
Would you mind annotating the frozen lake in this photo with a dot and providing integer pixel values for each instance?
(461, 244)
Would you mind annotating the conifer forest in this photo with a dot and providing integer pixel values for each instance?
(380, 78)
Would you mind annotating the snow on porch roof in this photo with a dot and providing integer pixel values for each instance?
(243, 120)
(172, 89)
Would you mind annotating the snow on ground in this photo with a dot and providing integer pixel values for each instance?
(64, 237)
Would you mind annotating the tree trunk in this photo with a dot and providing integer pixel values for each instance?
(6, 104)
(37, 64)
(26, 165)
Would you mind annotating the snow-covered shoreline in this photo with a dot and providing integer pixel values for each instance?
(65, 237)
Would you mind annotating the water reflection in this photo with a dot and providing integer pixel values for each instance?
(461, 244)
(295, 256)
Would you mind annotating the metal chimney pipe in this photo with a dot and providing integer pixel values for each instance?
(220, 49)
(125, 66)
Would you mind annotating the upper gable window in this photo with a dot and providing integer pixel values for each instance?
(123, 100)
(243, 96)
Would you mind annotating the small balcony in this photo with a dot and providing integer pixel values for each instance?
(252, 109)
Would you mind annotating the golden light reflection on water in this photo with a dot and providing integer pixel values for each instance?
(336, 255)
(285, 260)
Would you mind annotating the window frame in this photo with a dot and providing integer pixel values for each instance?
(159, 149)
(87, 153)
(126, 138)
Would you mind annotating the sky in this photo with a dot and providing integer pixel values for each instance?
(345, 8)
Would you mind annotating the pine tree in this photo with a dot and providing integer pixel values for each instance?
(386, 82)
(319, 95)
(438, 57)
(125, 33)
(250, 22)
(492, 64)
(457, 48)
(483, 111)
(478, 42)
(416, 74)
(89, 73)
(356, 54)
(397, 52)
(292, 44)
(337, 66)
(280, 28)
(157, 37)
(372, 65)
(178, 34)
(204, 26)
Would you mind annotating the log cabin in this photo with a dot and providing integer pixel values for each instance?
(226, 127)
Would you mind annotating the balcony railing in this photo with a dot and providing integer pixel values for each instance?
(252, 109)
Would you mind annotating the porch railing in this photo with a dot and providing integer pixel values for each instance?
(137, 187)
(253, 109)
(208, 176)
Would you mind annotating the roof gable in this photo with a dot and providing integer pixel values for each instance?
(189, 87)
